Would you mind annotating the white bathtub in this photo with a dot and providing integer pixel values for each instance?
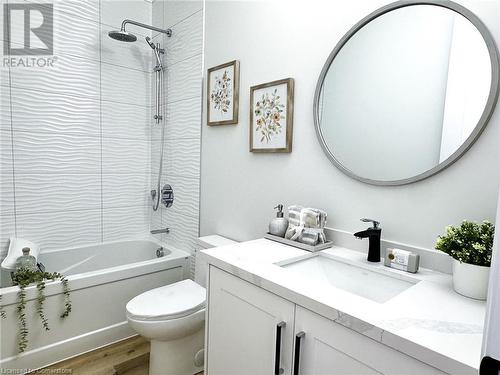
(102, 278)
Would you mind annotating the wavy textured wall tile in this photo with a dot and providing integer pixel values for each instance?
(71, 35)
(187, 40)
(125, 85)
(155, 219)
(186, 195)
(6, 192)
(7, 229)
(184, 119)
(38, 111)
(36, 153)
(183, 157)
(114, 12)
(4, 107)
(125, 222)
(121, 120)
(183, 230)
(60, 229)
(70, 75)
(80, 8)
(125, 156)
(125, 190)
(57, 192)
(177, 10)
(157, 15)
(184, 79)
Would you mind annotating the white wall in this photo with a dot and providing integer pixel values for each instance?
(75, 138)
(276, 40)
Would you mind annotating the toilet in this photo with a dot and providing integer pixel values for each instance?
(172, 318)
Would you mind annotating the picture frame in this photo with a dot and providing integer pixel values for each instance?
(271, 116)
(223, 89)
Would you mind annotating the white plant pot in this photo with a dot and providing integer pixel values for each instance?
(470, 280)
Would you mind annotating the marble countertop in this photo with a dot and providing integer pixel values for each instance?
(428, 321)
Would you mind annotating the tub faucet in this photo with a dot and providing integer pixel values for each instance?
(158, 231)
(373, 233)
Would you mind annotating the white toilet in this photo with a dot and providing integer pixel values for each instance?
(172, 317)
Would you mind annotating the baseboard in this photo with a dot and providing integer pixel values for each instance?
(429, 258)
(62, 350)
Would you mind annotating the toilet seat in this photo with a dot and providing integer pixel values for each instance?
(168, 302)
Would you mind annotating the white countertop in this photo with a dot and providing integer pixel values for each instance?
(428, 321)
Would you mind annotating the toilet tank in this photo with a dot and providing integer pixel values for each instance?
(200, 267)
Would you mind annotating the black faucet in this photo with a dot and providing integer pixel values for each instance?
(373, 233)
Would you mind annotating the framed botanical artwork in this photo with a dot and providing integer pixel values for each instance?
(223, 93)
(271, 116)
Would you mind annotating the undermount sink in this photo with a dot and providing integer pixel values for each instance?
(377, 286)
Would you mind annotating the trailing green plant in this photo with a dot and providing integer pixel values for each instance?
(470, 242)
(23, 277)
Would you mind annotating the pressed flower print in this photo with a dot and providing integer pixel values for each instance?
(222, 92)
(269, 114)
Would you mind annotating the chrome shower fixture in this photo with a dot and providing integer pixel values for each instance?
(124, 36)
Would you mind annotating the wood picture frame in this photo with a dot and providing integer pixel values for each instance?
(271, 117)
(223, 92)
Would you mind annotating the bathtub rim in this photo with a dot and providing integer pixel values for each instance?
(177, 258)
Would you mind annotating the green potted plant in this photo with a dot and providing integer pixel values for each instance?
(470, 245)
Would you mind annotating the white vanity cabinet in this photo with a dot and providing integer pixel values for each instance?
(327, 347)
(243, 331)
(244, 325)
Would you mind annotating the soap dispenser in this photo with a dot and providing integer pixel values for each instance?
(279, 224)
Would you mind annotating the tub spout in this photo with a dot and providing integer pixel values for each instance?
(158, 231)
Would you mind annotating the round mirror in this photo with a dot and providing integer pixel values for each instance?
(406, 92)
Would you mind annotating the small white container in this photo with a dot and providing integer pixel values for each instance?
(470, 280)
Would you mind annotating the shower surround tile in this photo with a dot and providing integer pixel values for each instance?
(124, 156)
(183, 230)
(184, 79)
(183, 119)
(88, 9)
(36, 153)
(60, 229)
(115, 11)
(125, 222)
(34, 110)
(133, 190)
(122, 120)
(7, 230)
(186, 193)
(124, 85)
(183, 157)
(57, 192)
(69, 75)
(188, 40)
(178, 10)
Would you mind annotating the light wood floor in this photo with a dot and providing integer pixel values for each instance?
(127, 357)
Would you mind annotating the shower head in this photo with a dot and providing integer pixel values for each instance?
(156, 51)
(151, 44)
(122, 36)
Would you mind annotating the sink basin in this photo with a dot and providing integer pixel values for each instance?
(376, 286)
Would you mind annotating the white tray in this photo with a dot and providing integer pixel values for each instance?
(300, 245)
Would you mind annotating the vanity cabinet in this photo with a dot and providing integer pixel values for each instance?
(248, 330)
(251, 331)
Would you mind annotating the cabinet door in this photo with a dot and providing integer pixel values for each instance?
(244, 334)
(330, 348)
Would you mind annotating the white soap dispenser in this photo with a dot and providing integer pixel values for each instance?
(279, 224)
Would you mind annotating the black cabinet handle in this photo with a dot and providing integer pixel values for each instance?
(296, 363)
(277, 359)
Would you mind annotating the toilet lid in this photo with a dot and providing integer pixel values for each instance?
(168, 302)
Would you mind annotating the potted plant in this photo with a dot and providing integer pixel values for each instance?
(470, 245)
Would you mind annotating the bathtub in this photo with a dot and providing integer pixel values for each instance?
(102, 278)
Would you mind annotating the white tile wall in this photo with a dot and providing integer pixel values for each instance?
(79, 151)
(79, 172)
(182, 107)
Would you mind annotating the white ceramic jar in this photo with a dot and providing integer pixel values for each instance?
(470, 280)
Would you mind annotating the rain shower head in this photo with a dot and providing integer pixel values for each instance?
(122, 36)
